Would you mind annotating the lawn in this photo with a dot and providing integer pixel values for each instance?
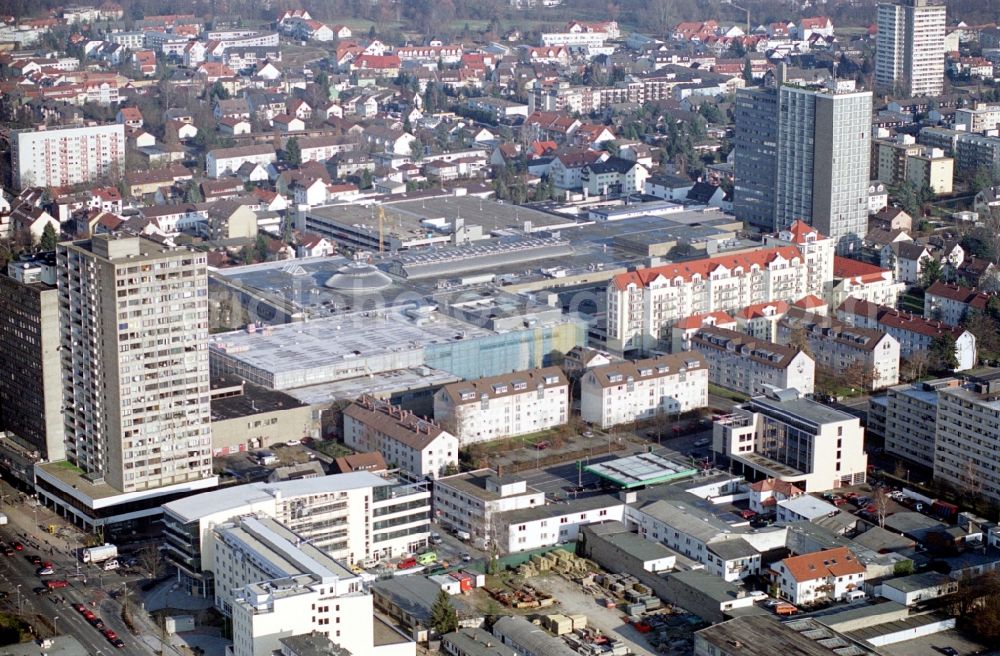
(333, 448)
(726, 393)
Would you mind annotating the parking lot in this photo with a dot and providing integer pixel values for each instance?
(933, 645)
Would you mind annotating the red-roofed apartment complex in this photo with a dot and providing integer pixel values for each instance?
(643, 305)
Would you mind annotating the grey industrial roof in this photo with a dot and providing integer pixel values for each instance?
(254, 400)
(416, 595)
(803, 409)
(710, 585)
(907, 522)
(530, 638)
(476, 642)
(696, 522)
(635, 545)
(733, 549)
(808, 506)
(920, 581)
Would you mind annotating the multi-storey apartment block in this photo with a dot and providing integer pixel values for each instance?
(644, 304)
(503, 406)
(749, 366)
(419, 446)
(909, 49)
(968, 436)
(134, 350)
(65, 156)
(471, 504)
(622, 392)
(909, 419)
(872, 354)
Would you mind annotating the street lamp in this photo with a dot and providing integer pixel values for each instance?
(55, 625)
(18, 598)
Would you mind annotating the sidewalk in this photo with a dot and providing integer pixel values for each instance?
(21, 517)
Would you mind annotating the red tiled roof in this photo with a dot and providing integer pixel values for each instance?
(844, 267)
(822, 564)
(696, 321)
(801, 231)
(704, 267)
(966, 295)
(810, 301)
(757, 309)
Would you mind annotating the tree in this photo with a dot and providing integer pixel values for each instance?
(151, 560)
(798, 338)
(930, 272)
(880, 499)
(444, 617)
(293, 152)
(49, 238)
(747, 71)
(193, 193)
(260, 248)
(983, 179)
(980, 242)
(942, 352)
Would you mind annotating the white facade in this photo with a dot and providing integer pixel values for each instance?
(644, 304)
(793, 439)
(503, 406)
(227, 161)
(818, 576)
(406, 441)
(624, 392)
(553, 524)
(62, 157)
(470, 503)
(841, 348)
(356, 517)
(909, 50)
(742, 364)
(273, 587)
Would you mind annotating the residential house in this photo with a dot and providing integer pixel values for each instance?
(613, 176)
(906, 259)
(951, 303)
(819, 576)
(224, 161)
(914, 333)
(312, 245)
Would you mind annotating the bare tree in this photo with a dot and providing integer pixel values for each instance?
(881, 501)
(151, 560)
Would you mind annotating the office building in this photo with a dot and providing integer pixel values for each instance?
(909, 48)
(134, 351)
(512, 404)
(356, 517)
(625, 392)
(30, 373)
(968, 437)
(414, 444)
(65, 156)
(784, 436)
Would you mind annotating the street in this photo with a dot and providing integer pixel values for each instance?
(92, 587)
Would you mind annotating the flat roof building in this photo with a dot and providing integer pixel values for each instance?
(786, 436)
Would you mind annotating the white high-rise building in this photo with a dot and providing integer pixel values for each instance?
(134, 347)
(64, 156)
(909, 47)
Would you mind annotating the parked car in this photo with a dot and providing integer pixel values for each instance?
(702, 442)
(407, 564)
(44, 571)
(109, 634)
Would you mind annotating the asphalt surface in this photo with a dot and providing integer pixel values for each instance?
(88, 585)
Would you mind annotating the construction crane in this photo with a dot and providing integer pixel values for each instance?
(381, 229)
